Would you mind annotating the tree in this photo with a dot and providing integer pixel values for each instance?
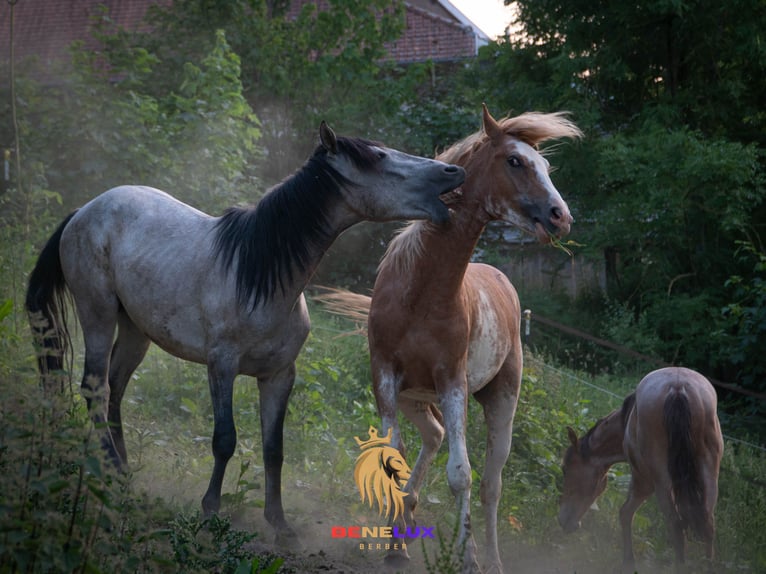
(297, 69)
(107, 125)
(671, 174)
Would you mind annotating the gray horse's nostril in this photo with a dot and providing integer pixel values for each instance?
(452, 169)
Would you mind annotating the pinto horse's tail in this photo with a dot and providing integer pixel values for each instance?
(688, 487)
(46, 308)
(347, 304)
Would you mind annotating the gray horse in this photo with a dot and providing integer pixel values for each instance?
(225, 291)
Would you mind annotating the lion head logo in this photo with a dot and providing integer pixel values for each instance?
(381, 471)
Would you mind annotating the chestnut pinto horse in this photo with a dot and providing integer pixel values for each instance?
(668, 432)
(441, 328)
(222, 291)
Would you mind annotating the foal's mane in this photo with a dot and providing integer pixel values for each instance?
(624, 412)
(267, 242)
(532, 128)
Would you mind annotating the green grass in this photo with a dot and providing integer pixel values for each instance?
(62, 511)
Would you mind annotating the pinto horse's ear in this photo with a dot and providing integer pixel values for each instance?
(573, 437)
(327, 137)
(491, 127)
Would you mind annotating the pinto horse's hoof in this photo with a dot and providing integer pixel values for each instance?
(396, 561)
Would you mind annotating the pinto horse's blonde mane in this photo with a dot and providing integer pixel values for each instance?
(532, 128)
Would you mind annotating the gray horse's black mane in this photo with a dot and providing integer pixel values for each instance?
(267, 242)
(627, 406)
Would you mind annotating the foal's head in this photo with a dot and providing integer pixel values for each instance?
(587, 460)
(584, 481)
(503, 163)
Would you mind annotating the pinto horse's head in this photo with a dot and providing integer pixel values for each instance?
(515, 174)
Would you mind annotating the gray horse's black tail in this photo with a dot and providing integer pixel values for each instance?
(685, 475)
(46, 308)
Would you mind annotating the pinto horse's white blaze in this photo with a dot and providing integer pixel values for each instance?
(222, 291)
(450, 328)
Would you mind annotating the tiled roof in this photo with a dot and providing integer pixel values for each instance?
(431, 37)
(46, 28)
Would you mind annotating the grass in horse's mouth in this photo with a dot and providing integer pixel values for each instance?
(564, 245)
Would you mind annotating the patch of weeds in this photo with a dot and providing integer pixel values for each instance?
(449, 557)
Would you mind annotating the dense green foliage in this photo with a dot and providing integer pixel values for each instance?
(669, 181)
(216, 100)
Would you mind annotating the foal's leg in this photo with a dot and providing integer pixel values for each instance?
(274, 394)
(673, 522)
(128, 352)
(499, 399)
(454, 403)
(710, 481)
(221, 371)
(640, 490)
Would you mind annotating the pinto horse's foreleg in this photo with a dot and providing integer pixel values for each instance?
(454, 404)
(386, 388)
(498, 399)
(274, 394)
(423, 416)
(221, 371)
(128, 352)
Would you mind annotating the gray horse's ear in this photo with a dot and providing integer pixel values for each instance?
(573, 437)
(491, 127)
(327, 137)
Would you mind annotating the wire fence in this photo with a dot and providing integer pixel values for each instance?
(569, 376)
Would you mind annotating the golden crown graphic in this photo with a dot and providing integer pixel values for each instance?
(381, 471)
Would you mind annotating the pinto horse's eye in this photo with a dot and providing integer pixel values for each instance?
(514, 161)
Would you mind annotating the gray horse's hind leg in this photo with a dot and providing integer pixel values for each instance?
(274, 394)
(128, 352)
(98, 323)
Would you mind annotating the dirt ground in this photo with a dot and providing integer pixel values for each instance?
(579, 553)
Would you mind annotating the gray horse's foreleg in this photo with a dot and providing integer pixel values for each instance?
(274, 394)
(221, 372)
(128, 352)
